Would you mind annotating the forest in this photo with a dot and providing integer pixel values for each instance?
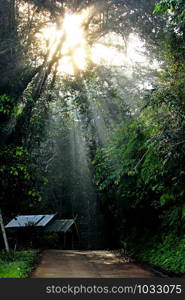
(92, 121)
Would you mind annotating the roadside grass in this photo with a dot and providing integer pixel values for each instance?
(17, 264)
(167, 252)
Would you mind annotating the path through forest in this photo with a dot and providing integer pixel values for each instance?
(87, 264)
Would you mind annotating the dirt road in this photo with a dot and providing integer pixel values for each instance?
(87, 264)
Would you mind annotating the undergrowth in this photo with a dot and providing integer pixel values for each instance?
(166, 252)
(17, 264)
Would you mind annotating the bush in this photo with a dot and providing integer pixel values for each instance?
(166, 252)
(17, 264)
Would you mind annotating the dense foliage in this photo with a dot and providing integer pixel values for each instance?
(167, 252)
(140, 172)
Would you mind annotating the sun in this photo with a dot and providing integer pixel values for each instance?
(74, 47)
(74, 50)
(75, 53)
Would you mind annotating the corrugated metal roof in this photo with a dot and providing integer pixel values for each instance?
(44, 221)
(60, 225)
(30, 220)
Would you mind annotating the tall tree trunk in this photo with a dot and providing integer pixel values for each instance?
(12, 17)
(4, 18)
(7, 18)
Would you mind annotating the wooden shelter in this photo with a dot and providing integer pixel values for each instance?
(29, 226)
(68, 229)
(31, 220)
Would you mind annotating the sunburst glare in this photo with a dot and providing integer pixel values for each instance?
(75, 52)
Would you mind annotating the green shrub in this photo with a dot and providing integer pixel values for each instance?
(167, 252)
(16, 264)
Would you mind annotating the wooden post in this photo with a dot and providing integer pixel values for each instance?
(64, 240)
(4, 233)
(72, 241)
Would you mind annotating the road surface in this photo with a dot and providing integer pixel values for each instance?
(87, 264)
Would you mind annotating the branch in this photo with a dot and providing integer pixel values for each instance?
(48, 162)
(176, 144)
(63, 111)
(140, 161)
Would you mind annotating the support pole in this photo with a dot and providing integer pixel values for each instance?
(64, 240)
(72, 241)
(4, 233)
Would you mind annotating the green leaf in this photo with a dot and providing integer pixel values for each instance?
(165, 198)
